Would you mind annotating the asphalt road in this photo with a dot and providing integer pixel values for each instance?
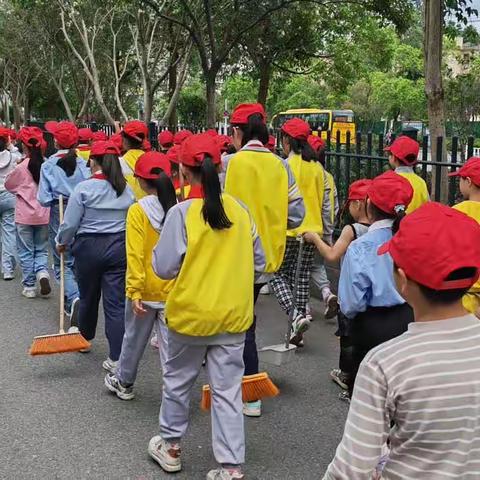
(59, 422)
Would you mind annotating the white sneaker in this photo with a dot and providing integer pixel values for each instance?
(109, 365)
(154, 342)
(8, 276)
(29, 292)
(252, 409)
(166, 454)
(300, 325)
(225, 474)
(331, 306)
(265, 290)
(43, 279)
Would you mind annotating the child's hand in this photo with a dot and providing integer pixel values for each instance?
(138, 308)
(310, 237)
(61, 248)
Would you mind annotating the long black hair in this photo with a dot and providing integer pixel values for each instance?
(255, 129)
(35, 160)
(301, 147)
(212, 211)
(133, 143)
(379, 214)
(164, 187)
(113, 171)
(3, 144)
(68, 163)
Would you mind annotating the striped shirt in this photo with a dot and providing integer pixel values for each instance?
(427, 381)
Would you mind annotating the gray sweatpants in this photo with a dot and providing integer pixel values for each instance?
(319, 273)
(138, 330)
(225, 371)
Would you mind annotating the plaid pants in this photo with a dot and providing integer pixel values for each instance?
(283, 280)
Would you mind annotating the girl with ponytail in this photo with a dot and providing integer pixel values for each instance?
(94, 228)
(146, 293)
(31, 218)
(210, 246)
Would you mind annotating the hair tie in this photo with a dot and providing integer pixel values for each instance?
(399, 209)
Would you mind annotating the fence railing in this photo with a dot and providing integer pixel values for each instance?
(366, 159)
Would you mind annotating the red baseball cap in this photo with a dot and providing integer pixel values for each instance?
(116, 139)
(195, 148)
(101, 148)
(434, 241)
(136, 129)
(99, 136)
(405, 149)
(165, 137)
(50, 126)
(64, 133)
(358, 189)
(147, 146)
(212, 132)
(84, 135)
(316, 142)
(181, 136)
(172, 154)
(470, 169)
(149, 161)
(5, 133)
(297, 128)
(223, 142)
(244, 111)
(31, 136)
(13, 133)
(389, 191)
(272, 141)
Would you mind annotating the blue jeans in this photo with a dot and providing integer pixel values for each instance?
(7, 228)
(71, 287)
(32, 247)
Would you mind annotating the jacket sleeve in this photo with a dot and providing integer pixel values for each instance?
(72, 219)
(170, 250)
(14, 179)
(366, 429)
(296, 207)
(135, 241)
(44, 194)
(327, 207)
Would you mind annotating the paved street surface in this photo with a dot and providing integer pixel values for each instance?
(59, 422)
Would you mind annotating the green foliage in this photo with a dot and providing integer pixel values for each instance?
(238, 89)
(192, 105)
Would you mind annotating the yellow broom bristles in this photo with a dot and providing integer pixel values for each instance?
(254, 387)
(58, 343)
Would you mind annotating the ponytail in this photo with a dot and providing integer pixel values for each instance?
(113, 171)
(35, 160)
(213, 211)
(165, 189)
(68, 163)
(301, 147)
(255, 129)
(133, 143)
(3, 144)
(399, 215)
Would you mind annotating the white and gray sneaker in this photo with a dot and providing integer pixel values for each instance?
(74, 311)
(8, 276)
(29, 292)
(225, 474)
(43, 279)
(331, 306)
(109, 365)
(115, 386)
(300, 325)
(166, 454)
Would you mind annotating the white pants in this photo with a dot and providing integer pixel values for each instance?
(138, 329)
(225, 371)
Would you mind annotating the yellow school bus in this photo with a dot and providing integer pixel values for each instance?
(321, 121)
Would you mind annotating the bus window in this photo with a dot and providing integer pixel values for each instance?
(319, 121)
(343, 117)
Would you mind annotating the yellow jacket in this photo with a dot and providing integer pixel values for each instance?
(85, 154)
(143, 225)
(471, 300)
(420, 190)
(128, 162)
(310, 181)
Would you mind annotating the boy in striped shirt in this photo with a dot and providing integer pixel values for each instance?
(421, 390)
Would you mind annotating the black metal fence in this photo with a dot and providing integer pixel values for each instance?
(365, 158)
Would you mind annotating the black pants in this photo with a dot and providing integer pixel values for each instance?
(250, 354)
(375, 326)
(100, 263)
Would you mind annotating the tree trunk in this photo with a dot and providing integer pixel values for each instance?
(26, 109)
(17, 120)
(171, 117)
(265, 75)
(433, 44)
(148, 103)
(64, 100)
(210, 81)
(6, 110)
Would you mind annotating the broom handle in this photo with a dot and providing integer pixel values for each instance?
(62, 274)
(295, 289)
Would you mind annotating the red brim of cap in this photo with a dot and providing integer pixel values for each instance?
(387, 149)
(455, 174)
(385, 248)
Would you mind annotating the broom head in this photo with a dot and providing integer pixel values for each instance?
(254, 387)
(58, 343)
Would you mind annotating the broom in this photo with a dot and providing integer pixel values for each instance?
(60, 342)
(254, 387)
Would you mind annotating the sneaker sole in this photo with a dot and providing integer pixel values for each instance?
(164, 466)
(45, 288)
(252, 414)
(120, 395)
(332, 308)
(339, 382)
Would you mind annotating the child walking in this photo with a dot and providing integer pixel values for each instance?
(356, 204)
(203, 241)
(95, 223)
(310, 178)
(367, 293)
(59, 175)
(31, 218)
(420, 389)
(402, 156)
(146, 293)
(469, 175)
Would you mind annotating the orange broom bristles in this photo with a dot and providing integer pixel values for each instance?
(58, 343)
(254, 387)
